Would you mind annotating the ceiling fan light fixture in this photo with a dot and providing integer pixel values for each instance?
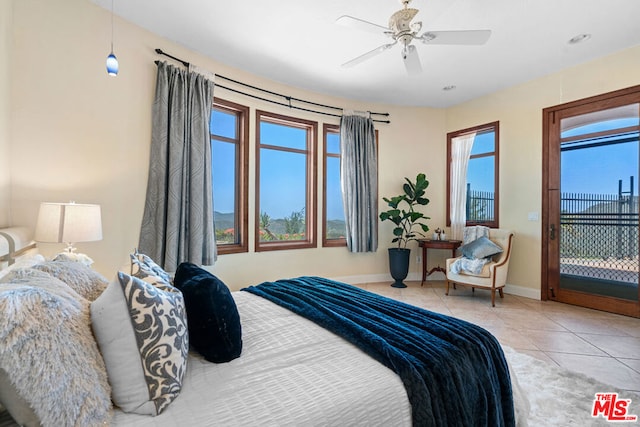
(427, 37)
(403, 32)
(579, 38)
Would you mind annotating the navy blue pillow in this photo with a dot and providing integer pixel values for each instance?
(212, 315)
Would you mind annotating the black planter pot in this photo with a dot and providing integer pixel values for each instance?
(399, 265)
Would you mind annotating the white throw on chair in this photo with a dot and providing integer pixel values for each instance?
(493, 272)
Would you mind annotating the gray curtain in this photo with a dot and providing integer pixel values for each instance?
(177, 225)
(359, 180)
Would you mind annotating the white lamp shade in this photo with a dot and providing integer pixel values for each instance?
(68, 223)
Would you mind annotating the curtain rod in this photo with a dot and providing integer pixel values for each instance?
(288, 98)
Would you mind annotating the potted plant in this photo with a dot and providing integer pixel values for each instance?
(409, 225)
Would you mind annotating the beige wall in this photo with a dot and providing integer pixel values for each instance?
(6, 32)
(81, 135)
(78, 134)
(519, 110)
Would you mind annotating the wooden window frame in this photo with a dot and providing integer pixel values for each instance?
(242, 167)
(328, 243)
(495, 127)
(311, 191)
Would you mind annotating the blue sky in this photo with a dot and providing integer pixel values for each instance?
(593, 170)
(597, 170)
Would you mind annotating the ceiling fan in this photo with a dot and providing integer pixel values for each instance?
(404, 32)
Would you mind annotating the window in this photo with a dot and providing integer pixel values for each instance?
(334, 228)
(285, 182)
(482, 175)
(229, 129)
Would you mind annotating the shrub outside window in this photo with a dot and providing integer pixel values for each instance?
(285, 182)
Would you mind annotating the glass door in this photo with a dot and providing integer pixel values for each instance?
(592, 210)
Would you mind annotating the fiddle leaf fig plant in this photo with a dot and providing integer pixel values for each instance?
(409, 223)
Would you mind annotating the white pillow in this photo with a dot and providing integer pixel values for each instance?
(141, 329)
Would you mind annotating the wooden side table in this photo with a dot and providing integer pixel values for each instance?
(436, 244)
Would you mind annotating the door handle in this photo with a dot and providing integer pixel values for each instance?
(552, 231)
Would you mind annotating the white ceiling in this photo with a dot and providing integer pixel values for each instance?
(297, 42)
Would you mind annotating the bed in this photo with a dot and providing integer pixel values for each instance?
(291, 370)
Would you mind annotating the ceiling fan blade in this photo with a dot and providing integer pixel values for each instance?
(361, 24)
(357, 60)
(470, 37)
(411, 60)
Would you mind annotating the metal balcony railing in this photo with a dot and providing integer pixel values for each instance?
(598, 233)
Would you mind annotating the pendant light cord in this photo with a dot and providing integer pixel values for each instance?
(111, 26)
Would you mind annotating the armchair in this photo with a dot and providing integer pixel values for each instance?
(493, 275)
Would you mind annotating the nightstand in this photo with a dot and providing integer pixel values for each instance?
(435, 244)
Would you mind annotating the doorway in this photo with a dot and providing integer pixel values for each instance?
(591, 164)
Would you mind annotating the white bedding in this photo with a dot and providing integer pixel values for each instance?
(291, 372)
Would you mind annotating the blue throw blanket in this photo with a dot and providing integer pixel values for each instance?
(454, 372)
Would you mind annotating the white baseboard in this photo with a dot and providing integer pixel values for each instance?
(436, 276)
(363, 278)
(377, 278)
(521, 291)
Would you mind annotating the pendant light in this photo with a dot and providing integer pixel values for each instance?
(112, 61)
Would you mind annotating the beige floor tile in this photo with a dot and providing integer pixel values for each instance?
(604, 369)
(616, 346)
(485, 319)
(539, 355)
(526, 320)
(629, 325)
(513, 338)
(564, 342)
(632, 363)
(576, 322)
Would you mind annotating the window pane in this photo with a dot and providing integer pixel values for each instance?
(601, 120)
(333, 143)
(224, 190)
(223, 124)
(480, 189)
(335, 226)
(484, 142)
(283, 136)
(229, 128)
(481, 185)
(282, 195)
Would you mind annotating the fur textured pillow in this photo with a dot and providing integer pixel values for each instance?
(22, 262)
(214, 322)
(81, 278)
(141, 329)
(49, 354)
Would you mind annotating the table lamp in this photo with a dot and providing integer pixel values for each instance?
(69, 223)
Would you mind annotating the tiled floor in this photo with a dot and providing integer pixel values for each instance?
(602, 345)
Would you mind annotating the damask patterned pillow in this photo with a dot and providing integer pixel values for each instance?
(143, 266)
(141, 329)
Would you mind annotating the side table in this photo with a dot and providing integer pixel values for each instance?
(435, 244)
